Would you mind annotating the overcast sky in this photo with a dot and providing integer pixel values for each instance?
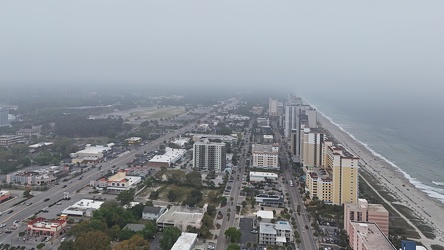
(373, 46)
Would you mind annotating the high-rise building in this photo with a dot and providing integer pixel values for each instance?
(4, 113)
(265, 156)
(364, 212)
(368, 236)
(343, 169)
(209, 156)
(311, 146)
(272, 107)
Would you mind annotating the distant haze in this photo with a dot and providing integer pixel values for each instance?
(389, 48)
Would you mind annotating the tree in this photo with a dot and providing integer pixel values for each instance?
(193, 198)
(149, 231)
(88, 226)
(41, 245)
(137, 210)
(125, 197)
(172, 195)
(136, 242)
(154, 195)
(170, 236)
(67, 245)
(233, 246)
(96, 240)
(234, 234)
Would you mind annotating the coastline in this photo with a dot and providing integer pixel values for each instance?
(394, 180)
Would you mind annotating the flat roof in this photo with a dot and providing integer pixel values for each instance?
(94, 150)
(85, 204)
(185, 241)
(265, 214)
(372, 236)
(170, 154)
(182, 215)
(270, 228)
(265, 148)
(263, 174)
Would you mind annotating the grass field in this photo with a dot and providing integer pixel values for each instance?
(158, 113)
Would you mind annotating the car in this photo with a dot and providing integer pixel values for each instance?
(29, 204)
(63, 239)
(10, 211)
(254, 231)
(2, 225)
(306, 226)
(45, 200)
(64, 186)
(45, 211)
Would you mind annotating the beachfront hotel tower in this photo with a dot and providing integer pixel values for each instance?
(364, 212)
(311, 147)
(342, 166)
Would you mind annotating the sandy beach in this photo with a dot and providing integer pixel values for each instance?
(426, 208)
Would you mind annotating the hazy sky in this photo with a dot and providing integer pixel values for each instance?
(394, 47)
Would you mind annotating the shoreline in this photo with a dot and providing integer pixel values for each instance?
(394, 180)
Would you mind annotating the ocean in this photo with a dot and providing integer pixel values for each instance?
(406, 133)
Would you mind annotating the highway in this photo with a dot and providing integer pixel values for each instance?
(222, 241)
(306, 235)
(21, 212)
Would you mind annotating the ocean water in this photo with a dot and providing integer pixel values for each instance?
(409, 135)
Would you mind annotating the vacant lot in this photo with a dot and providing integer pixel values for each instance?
(158, 113)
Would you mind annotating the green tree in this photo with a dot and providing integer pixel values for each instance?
(125, 197)
(193, 198)
(170, 236)
(41, 245)
(172, 195)
(137, 210)
(234, 234)
(95, 240)
(88, 226)
(149, 230)
(67, 245)
(125, 234)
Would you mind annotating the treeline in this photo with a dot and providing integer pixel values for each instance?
(77, 126)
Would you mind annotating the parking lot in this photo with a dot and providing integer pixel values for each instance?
(245, 226)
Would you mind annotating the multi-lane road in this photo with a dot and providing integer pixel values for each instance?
(222, 241)
(21, 212)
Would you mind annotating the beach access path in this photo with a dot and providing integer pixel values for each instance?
(428, 209)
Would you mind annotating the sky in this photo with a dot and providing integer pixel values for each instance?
(390, 48)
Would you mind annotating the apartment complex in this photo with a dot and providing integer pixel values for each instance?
(343, 167)
(364, 212)
(279, 233)
(8, 140)
(265, 156)
(272, 107)
(368, 236)
(210, 156)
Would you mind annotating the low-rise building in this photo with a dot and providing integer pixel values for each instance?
(91, 153)
(279, 233)
(84, 207)
(270, 200)
(267, 139)
(182, 217)
(181, 141)
(42, 226)
(29, 132)
(368, 236)
(37, 177)
(186, 241)
(262, 176)
(40, 146)
(213, 137)
(266, 216)
(134, 227)
(364, 212)
(170, 157)
(133, 140)
(152, 213)
(9, 140)
(119, 182)
(4, 196)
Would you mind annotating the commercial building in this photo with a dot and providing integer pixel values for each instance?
(262, 176)
(40, 146)
(267, 139)
(9, 140)
(42, 226)
(265, 156)
(84, 207)
(263, 122)
(91, 153)
(368, 236)
(279, 233)
(181, 141)
(119, 182)
(209, 156)
(270, 200)
(364, 212)
(4, 113)
(37, 177)
(152, 213)
(170, 157)
(211, 137)
(4, 196)
(182, 217)
(343, 168)
(186, 241)
(311, 146)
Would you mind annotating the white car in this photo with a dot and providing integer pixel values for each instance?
(63, 239)
(3, 225)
